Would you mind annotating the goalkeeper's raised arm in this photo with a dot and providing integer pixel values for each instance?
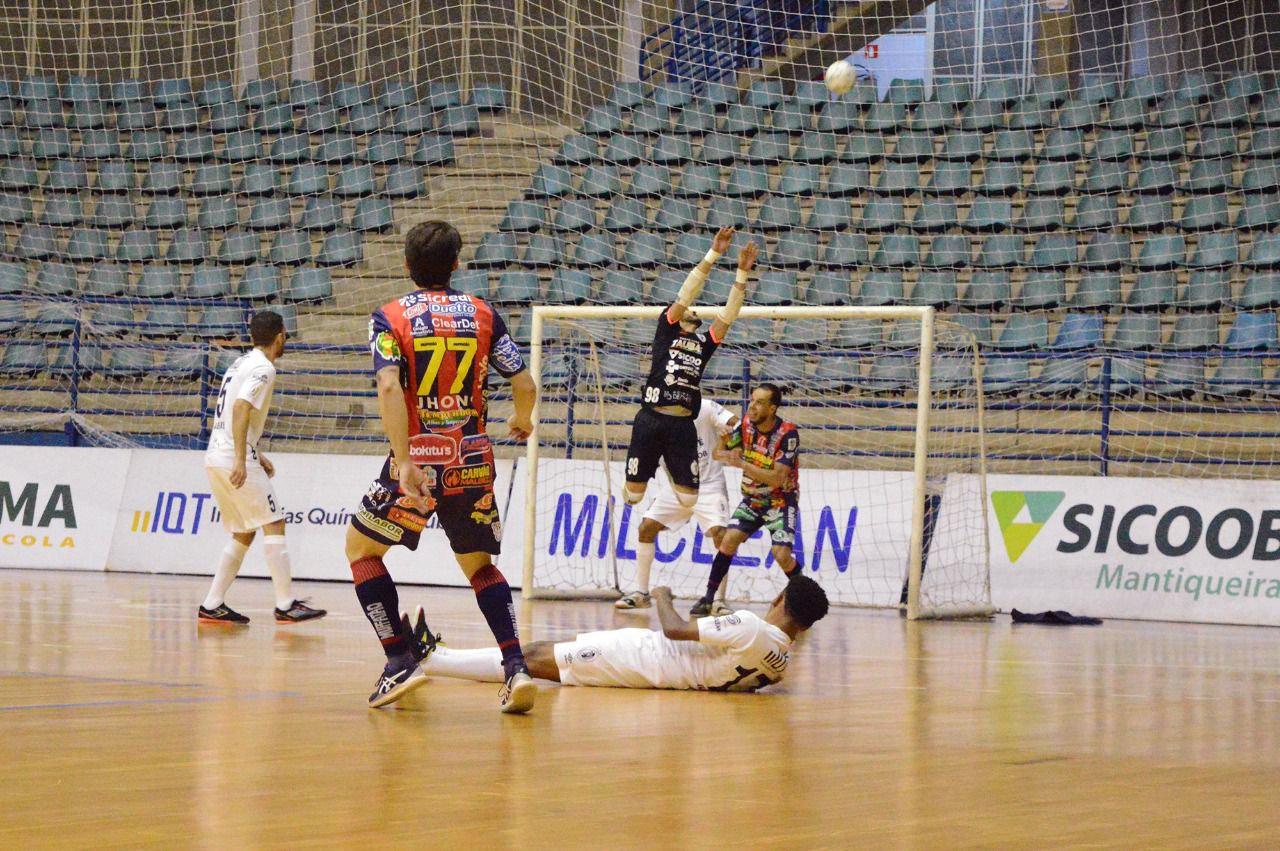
(697, 278)
(746, 262)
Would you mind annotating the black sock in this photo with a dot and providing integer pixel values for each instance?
(380, 602)
(493, 595)
(719, 570)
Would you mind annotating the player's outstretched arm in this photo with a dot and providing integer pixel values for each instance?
(524, 390)
(737, 295)
(698, 277)
(395, 423)
(673, 626)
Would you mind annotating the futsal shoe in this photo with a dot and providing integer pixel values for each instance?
(424, 641)
(298, 612)
(634, 600)
(517, 694)
(720, 608)
(701, 609)
(398, 679)
(221, 614)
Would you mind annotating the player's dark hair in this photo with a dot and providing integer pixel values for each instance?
(265, 326)
(775, 393)
(805, 600)
(431, 249)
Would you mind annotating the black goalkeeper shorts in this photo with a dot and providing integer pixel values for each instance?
(658, 437)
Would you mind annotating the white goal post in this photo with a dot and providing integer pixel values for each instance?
(550, 322)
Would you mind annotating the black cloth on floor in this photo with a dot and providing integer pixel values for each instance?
(1054, 618)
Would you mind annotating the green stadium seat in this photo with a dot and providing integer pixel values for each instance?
(1106, 251)
(1268, 114)
(259, 180)
(1207, 289)
(228, 117)
(1238, 378)
(1147, 89)
(1260, 176)
(408, 120)
(1252, 332)
(15, 208)
(1096, 212)
(1150, 212)
(697, 181)
(799, 179)
(1166, 144)
(13, 278)
(1000, 178)
(1078, 114)
(948, 251)
(402, 181)
(56, 279)
(882, 288)
(67, 176)
(1029, 113)
(575, 214)
(194, 147)
(260, 284)
(671, 150)
(308, 179)
(398, 93)
(844, 250)
(744, 120)
(747, 181)
(1215, 250)
(62, 211)
(1157, 177)
(1041, 213)
(1176, 113)
(314, 286)
(10, 141)
(1022, 331)
(897, 250)
(952, 91)
(1079, 331)
(1052, 178)
(629, 94)
(210, 282)
(778, 212)
(1013, 145)
(648, 120)
(1127, 114)
(432, 149)
(695, 119)
(1261, 290)
(1266, 143)
(882, 214)
(982, 116)
(96, 145)
(219, 323)
(912, 146)
(932, 117)
(1136, 332)
(650, 180)
(218, 213)
(949, 178)
(935, 216)
(602, 120)
(723, 212)
(188, 246)
(288, 248)
(240, 147)
(496, 249)
(1259, 212)
(36, 242)
(166, 213)
(862, 148)
(1097, 88)
(517, 288)
(524, 216)
(349, 93)
(157, 282)
(769, 148)
(986, 290)
(829, 287)
(355, 180)
(600, 181)
(111, 320)
(570, 286)
(341, 248)
(550, 181)
(24, 360)
(261, 93)
(274, 119)
(1113, 145)
(1098, 290)
(1153, 290)
(1194, 332)
(1042, 290)
(847, 179)
(673, 94)
(86, 245)
(719, 148)
(881, 117)
(829, 214)
(178, 119)
(1208, 176)
(117, 211)
(1062, 378)
(625, 286)
(269, 214)
(237, 248)
(1247, 86)
(776, 288)
(594, 250)
(898, 178)
(578, 150)
(909, 92)
(322, 213)
(963, 146)
(1107, 177)
(1000, 251)
(645, 250)
(624, 215)
(1063, 145)
(1265, 253)
(1229, 113)
(383, 149)
(795, 250)
(106, 279)
(624, 150)
(1204, 213)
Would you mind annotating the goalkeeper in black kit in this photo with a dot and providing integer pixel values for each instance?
(663, 429)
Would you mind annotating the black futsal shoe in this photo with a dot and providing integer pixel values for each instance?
(298, 612)
(701, 609)
(398, 679)
(222, 614)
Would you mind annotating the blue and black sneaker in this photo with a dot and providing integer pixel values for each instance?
(399, 678)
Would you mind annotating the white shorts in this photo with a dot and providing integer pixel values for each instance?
(615, 658)
(248, 507)
(711, 509)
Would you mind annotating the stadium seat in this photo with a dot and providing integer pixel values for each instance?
(645, 249)
(62, 211)
(829, 214)
(629, 94)
(746, 181)
(10, 141)
(1136, 332)
(1054, 251)
(725, 212)
(1161, 251)
(36, 242)
(846, 250)
(1157, 177)
(882, 288)
(289, 149)
(67, 176)
(274, 119)
(1062, 377)
(846, 180)
(550, 181)
(193, 147)
(625, 215)
(1000, 178)
(769, 148)
(799, 179)
(157, 282)
(383, 149)
(1063, 145)
(577, 150)
(571, 286)
(795, 250)
(882, 214)
(815, 148)
(1265, 253)
(341, 248)
(1097, 290)
(106, 279)
(260, 180)
(962, 146)
(986, 290)
(1042, 290)
(218, 213)
(671, 150)
(1194, 332)
(1261, 290)
(1106, 251)
(137, 246)
(649, 120)
(24, 359)
(372, 118)
(517, 288)
(1078, 331)
(289, 248)
(307, 179)
(188, 245)
(1258, 212)
(459, 121)
(1150, 213)
(56, 279)
(1044, 213)
(948, 251)
(949, 178)
(1106, 177)
(543, 251)
(575, 214)
(593, 250)
(897, 250)
(354, 181)
(240, 147)
(496, 249)
(220, 323)
(1207, 289)
(1153, 290)
(1215, 250)
(403, 181)
(935, 216)
(210, 282)
(260, 284)
(843, 116)
(51, 144)
(989, 214)
(862, 148)
(1230, 112)
(1178, 378)
(776, 287)
(898, 178)
(778, 213)
(228, 117)
(1052, 177)
(1000, 251)
(46, 113)
(15, 208)
(238, 247)
(602, 120)
(829, 287)
(373, 215)
(434, 150)
(165, 213)
(86, 245)
(937, 288)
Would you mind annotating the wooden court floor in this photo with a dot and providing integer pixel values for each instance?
(123, 725)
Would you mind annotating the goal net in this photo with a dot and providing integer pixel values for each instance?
(889, 436)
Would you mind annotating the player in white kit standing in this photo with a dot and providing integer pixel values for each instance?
(668, 512)
(740, 651)
(240, 477)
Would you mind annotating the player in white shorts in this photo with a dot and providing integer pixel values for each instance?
(240, 477)
(740, 651)
(711, 510)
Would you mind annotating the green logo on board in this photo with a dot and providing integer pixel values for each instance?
(1021, 515)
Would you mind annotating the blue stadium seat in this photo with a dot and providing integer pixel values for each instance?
(67, 176)
(260, 284)
(796, 249)
(543, 251)
(260, 180)
(308, 179)
(1023, 331)
(373, 215)
(188, 246)
(107, 279)
(354, 181)
(517, 288)
(51, 144)
(1207, 289)
(36, 242)
(220, 323)
(986, 290)
(570, 286)
(56, 279)
(86, 245)
(193, 147)
(62, 211)
(238, 247)
(218, 213)
(593, 250)
(269, 214)
(164, 177)
(1194, 332)
(881, 288)
(157, 282)
(341, 248)
(146, 146)
(166, 213)
(496, 249)
(622, 286)
(1261, 290)
(242, 146)
(15, 208)
(644, 249)
(111, 211)
(624, 215)
(335, 148)
(212, 282)
(24, 359)
(290, 148)
(315, 286)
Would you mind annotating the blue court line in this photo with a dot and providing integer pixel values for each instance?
(160, 700)
(93, 679)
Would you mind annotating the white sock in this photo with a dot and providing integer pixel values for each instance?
(225, 574)
(724, 586)
(644, 564)
(278, 564)
(484, 666)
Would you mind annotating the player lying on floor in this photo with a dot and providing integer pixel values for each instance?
(737, 652)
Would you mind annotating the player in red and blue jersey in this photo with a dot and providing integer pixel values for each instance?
(767, 450)
(432, 350)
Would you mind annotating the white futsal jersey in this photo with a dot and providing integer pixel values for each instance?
(712, 419)
(251, 378)
(737, 652)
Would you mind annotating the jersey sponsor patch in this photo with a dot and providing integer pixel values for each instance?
(383, 527)
(469, 476)
(433, 448)
(725, 621)
(410, 520)
(506, 355)
(385, 346)
(475, 444)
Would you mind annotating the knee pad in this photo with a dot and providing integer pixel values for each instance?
(632, 497)
(687, 500)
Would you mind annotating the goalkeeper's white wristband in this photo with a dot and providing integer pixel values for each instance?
(696, 280)
(737, 295)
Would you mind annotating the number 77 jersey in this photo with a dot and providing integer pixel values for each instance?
(443, 342)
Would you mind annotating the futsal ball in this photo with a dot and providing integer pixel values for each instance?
(840, 77)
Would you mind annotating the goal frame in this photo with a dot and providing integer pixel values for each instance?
(925, 315)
